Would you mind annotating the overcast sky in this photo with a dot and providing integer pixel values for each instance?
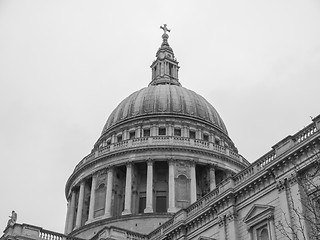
(65, 65)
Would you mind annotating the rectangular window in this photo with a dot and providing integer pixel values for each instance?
(192, 134)
(162, 131)
(142, 204)
(132, 135)
(206, 137)
(146, 132)
(161, 204)
(119, 138)
(177, 132)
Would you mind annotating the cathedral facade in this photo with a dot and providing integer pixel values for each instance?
(165, 168)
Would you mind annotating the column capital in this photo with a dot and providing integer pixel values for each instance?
(171, 161)
(129, 164)
(109, 168)
(193, 163)
(94, 175)
(150, 161)
(212, 165)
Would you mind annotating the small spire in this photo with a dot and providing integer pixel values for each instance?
(165, 67)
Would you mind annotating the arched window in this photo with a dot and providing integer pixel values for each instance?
(264, 234)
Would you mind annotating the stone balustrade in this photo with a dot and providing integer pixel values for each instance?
(159, 141)
(269, 157)
(36, 233)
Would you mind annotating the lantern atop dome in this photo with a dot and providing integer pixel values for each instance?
(165, 68)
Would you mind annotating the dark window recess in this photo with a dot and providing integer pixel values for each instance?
(146, 132)
(162, 131)
(119, 138)
(192, 134)
(217, 142)
(108, 142)
(161, 204)
(177, 132)
(142, 204)
(206, 137)
(132, 135)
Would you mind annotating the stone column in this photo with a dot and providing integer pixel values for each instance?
(66, 227)
(212, 175)
(92, 198)
(172, 201)
(128, 194)
(80, 205)
(149, 200)
(193, 184)
(69, 225)
(107, 211)
(138, 132)
(170, 130)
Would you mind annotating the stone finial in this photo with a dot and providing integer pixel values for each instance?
(13, 219)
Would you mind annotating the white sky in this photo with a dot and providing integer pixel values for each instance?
(65, 65)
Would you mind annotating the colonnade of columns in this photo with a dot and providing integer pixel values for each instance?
(72, 212)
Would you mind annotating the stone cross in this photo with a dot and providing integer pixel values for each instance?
(164, 28)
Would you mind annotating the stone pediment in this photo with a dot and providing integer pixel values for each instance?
(258, 213)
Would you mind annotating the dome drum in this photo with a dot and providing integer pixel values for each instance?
(172, 184)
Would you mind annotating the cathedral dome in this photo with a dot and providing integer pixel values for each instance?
(165, 99)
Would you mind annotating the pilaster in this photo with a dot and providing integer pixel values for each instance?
(231, 219)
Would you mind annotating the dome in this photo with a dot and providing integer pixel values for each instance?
(165, 100)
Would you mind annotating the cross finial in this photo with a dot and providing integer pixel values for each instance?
(165, 29)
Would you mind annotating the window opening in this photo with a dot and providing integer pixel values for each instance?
(206, 137)
(146, 132)
(162, 131)
(132, 135)
(192, 134)
(177, 132)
